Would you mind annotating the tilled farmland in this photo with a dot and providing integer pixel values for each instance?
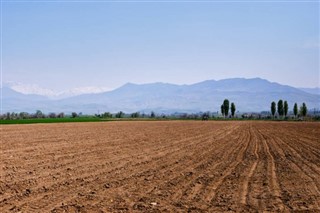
(164, 166)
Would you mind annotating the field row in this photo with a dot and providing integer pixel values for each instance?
(174, 166)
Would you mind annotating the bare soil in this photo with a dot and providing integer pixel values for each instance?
(174, 166)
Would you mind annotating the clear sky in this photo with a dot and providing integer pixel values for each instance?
(63, 44)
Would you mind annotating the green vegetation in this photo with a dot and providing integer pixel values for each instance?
(226, 107)
(233, 109)
(273, 108)
(222, 110)
(119, 114)
(135, 115)
(50, 120)
(74, 115)
(303, 110)
(285, 108)
(295, 110)
(280, 108)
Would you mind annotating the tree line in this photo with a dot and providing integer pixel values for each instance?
(282, 109)
(37, 114)
(225, 108)
(278, 110)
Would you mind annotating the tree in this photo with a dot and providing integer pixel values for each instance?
(14, 115)
(119, 114)
(23, 115)
(303, 110)
(52, 115)
(285, 108)
(74, 114)
(226, 107)
(107, 115)
(152, 115)
(205, 116)
(8, 116)
(39, 114)
(233, 109)
(222, 110)
(135, 115)
(273, 108)
(60, 115)
(295, 109)
(280, 108)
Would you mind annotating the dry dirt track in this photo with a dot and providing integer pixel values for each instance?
(172, 166)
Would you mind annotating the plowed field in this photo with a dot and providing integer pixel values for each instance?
(174, 166)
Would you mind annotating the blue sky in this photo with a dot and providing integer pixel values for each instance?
(62, 45)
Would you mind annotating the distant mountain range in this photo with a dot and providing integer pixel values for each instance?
(249, 95)
(315, 91)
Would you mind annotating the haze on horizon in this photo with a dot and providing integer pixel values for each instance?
(65, 45)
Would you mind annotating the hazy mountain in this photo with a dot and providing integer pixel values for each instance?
(52, 94)
(8, 93)
(315, 90)
(248, 95)
(13, 101)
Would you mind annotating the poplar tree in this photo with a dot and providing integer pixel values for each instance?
(222, 110)
(273, 108)
(233, 109)
(303, 110)
(285, 108)
(226, 107)
(280, 108)
(295, 109)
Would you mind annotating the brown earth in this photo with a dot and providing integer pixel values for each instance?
(174, 166)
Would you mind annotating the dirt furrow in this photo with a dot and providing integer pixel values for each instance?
(308, 168)
(167, 166)
(272, 175)
(235, 160)
(294, 183)
(202, 174)
(247, 179)
(305, 186)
